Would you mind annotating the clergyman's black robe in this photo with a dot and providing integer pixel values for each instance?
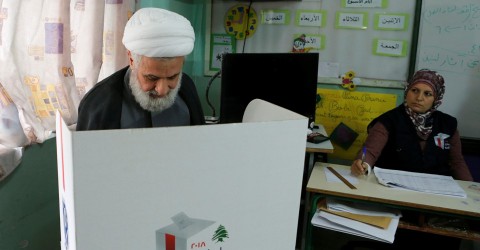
(101, 107)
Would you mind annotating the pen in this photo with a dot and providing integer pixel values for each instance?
(364, 152)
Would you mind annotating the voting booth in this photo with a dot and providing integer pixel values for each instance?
(224, 186)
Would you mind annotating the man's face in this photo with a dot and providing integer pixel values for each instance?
(155, 82)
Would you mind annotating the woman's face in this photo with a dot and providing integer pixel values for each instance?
(420, 98)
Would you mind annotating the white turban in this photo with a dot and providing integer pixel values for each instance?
(154, 32)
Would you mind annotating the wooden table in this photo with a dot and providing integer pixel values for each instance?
(313, 150)
(322, 148)
(370, 191)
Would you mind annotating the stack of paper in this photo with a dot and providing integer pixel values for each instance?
(427, 183)
(369, 221)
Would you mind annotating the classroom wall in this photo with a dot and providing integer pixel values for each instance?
(449, 42)
(29, 214)
(199, 13)
(348, 47)
(278, 38)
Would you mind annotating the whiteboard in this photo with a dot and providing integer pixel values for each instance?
(449, 42)
(351, 49)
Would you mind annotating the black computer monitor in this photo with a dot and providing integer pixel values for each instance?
(288, 80)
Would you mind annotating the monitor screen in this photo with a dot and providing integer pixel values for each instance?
(288, 80)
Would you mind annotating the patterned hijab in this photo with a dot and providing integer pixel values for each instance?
(422, 122)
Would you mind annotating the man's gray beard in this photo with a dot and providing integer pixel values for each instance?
(152, 104)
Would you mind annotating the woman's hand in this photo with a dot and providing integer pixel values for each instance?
(358, 168)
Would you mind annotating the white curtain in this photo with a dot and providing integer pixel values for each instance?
(51, 53)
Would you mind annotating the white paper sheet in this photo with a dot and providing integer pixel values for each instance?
(362, 208)
(343, 172)
(337, 223)
(427, 183)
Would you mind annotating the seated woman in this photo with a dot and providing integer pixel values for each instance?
(415, 136)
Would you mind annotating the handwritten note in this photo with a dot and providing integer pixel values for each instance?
(453, 45)
(310, 18)
(391, 21)
(390, 47)
(459, 60)
(355, 109)
(449, 43)
(275, 17)
(363, 3)
(462, 18)
(328, 69)
(351, 20)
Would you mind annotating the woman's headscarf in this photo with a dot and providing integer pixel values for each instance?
(422, 122)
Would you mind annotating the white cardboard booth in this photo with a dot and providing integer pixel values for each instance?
(229, 186)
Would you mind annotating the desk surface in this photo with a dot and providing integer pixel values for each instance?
(368, 189)
(322, 147)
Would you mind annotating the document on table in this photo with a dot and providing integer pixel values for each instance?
(375, 215)
(338, 223)
(362, 208)
(427, 183)
(346, 173)
(330, 219)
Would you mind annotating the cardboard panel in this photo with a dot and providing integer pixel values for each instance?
(125, 188)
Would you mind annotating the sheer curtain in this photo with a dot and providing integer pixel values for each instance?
(51, 53)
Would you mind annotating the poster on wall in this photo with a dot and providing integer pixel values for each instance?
(220, 45)
(350, 110)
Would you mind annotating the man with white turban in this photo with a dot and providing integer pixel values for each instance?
(152, 91)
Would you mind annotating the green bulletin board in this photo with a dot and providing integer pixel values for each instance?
(220, 44)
